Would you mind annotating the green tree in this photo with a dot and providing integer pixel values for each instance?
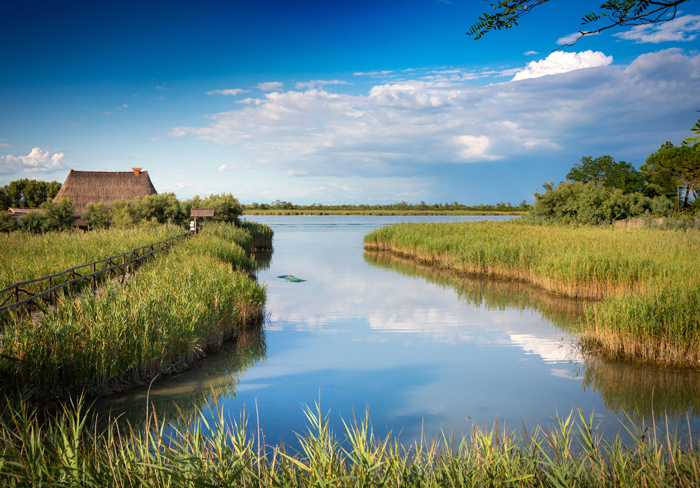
(163, 207)
(124, 215)
(34, 222)
(226, 207)
(7, 223)
(59, 216)
(682, 164)
(98, 216)
(613, 13)
(605, 171)
(26, 193)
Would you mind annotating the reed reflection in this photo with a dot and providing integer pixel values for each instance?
(180, 398)
(645, 391)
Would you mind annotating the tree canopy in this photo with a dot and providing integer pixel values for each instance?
(26, 193)
(605, 171)
(614, 13)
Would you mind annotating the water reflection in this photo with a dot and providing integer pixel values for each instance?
(644, 391)
(183, 395)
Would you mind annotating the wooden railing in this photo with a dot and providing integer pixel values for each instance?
(74, 279)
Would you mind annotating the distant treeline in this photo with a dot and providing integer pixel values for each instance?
(422, 206)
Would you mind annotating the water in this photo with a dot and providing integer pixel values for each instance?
(425, 351)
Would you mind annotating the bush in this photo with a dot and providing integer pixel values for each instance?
(588, 203)
(7, 223)
(98, 216)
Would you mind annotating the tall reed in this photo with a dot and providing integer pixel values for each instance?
(647, 279)
(70, 451)
(159, 321)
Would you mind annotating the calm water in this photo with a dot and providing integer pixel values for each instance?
(423, 350)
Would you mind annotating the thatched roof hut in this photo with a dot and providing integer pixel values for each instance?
(84, 187)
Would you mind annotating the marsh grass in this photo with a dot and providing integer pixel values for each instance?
(159, 321)
(68, 450)
(646, 280)
(26, 256)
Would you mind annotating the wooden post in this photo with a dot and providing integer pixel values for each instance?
(52, 295)
(94, 279)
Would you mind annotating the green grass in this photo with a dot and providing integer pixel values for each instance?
(26, 256)
(161, 320)
(647, 281)
(70, 451)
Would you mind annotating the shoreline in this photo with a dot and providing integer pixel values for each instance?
(380, 213)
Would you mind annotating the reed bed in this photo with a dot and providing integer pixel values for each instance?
(160, 320)
(646, 280)
(69, 451)
(261, 235)
(26, 256)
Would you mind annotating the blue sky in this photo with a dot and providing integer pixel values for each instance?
(335, 102)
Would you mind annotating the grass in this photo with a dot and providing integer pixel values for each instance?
(68, 451)
(161, 320)
(261, 235)
(646, 281)
(26, 256)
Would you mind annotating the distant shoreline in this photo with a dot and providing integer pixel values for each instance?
(377, 212)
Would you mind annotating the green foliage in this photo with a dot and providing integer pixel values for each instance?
(681, 164)
(34, 222)
(98, 216)
(125, 215)
(26, 193)
(165, 208)
(226, 207)
(71, 449)
(588, 203)
(172, 309)
(7, 223)
(58, 216)
(605, 171)
(617, 13)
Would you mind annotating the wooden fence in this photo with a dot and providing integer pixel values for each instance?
(74, 279)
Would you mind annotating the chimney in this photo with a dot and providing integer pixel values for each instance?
(137, 171)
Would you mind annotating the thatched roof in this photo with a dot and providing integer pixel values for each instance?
(21, 212)
(84, 187)
(202, 212)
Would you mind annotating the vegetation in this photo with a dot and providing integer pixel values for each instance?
(70, 451)
(27, 256)
(647, 279)
(162, 318)
(617, 13)
(399, 208)
(26, 193)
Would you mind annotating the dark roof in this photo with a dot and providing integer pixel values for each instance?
(202, 212)
(84, 187)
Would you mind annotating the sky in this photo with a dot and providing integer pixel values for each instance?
(335, 102)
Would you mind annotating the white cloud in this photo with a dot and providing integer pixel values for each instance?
(231, 92)
(314, 83)
(574, 36)
(530, 53)
(125, 105)
(683, 28)
(36, 160)
(161, 87)
(231, 167)
(402, 125)
(560, 62)
(107, 112)
(270, 86)
(373, 74)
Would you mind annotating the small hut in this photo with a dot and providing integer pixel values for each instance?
(201, 213)
(84, 187)
(18, 213)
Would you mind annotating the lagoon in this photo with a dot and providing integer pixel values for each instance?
(425, 351)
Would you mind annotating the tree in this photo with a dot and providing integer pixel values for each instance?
(59, 216)
(617, 13)
(682, 163)
(98, 216)
(605, 171)
(26, 193)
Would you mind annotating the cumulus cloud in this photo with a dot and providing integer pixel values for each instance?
(560, 62)
(36, 160)
(401, 125)
(230, 92)
(270, 86)
(683, 28)
(231, 167)
(314, 83)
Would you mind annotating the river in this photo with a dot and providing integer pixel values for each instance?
(425, 351)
